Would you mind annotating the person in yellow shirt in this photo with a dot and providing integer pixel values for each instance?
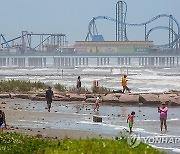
(124, 84)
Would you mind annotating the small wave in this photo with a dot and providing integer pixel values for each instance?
(176, 150)
(139, 129)
(175, 119)
(172, 119)
(165, 148)
(102, 124)
(148, 120)
(77, 113)
(33, 121)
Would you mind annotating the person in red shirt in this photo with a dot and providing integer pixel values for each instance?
(130, 120)
(97, 103)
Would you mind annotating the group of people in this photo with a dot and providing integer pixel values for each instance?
(162, 110)
(163, 117)
(130, 120)
(78, 86)
(124, 84)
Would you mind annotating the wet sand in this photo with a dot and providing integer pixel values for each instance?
(74, 120)
(54, 133)
(33, 123)
(31, 117)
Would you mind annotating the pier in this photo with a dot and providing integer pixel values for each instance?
(72, 61)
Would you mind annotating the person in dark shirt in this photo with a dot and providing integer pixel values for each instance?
(2, 120)
(49, 95)
(78, 85)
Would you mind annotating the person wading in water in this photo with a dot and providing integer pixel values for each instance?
(49, 95)
(163, 115)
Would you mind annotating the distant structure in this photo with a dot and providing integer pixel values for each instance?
(97, 38)
(35, 42)
(121, 33)
(113, 47)
(120, 20)
(48, 43)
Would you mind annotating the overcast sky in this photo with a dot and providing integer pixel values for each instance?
(72, 17)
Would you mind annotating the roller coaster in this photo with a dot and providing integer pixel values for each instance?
(25, 42)
(45, 42)
(121, 24)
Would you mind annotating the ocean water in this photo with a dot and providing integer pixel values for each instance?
(79, 116)
(140, 79)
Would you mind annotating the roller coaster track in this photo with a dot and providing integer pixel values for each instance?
(171, 44)
(161, 27)
(139, 24)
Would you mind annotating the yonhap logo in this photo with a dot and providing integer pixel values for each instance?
(133, 140)
(161, 139)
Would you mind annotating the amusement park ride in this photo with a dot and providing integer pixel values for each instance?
(121, 27)
(27, 42)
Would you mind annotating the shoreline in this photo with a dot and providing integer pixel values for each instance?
(29, 123)
(54, 133)
(170, 98)
(64, 122)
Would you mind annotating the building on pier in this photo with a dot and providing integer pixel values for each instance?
(123, 47)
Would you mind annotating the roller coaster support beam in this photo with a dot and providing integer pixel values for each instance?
(5, 42)
(120, 20)
(145, 32)
(170, 31)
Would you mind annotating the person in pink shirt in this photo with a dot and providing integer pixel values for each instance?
(130, 120)
(163, 115)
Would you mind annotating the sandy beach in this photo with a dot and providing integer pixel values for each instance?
(23, 117)
(35, 118)
(75, 120)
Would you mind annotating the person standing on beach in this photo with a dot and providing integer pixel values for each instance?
(97, 103)
(49, 95)
(163, 115)
(78, 85)
(130, 120)
(2, 121)
(124, 84)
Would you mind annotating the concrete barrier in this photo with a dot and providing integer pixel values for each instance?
(97, 119)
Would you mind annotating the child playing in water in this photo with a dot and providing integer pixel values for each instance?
(97, 103)
(130, 120)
